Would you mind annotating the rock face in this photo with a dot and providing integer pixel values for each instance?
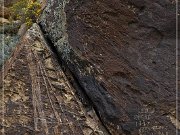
(37, 98)
(122, 54)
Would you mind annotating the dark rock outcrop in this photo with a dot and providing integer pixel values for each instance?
(122, 53)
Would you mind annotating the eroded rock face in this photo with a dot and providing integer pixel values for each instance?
(38, 99)
(122, 53)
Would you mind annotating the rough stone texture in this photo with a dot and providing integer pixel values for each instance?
(122, 53)
(36, 97)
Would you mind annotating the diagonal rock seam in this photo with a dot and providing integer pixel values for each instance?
(75, 82)
(81, 89)
(98, 95)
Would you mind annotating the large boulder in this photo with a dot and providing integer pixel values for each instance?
(122, 54)
(36, 96)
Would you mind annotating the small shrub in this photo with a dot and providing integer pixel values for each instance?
(11, 29)
(27, 11)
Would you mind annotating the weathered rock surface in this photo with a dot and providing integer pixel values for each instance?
(122, 54)
(37, 98)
